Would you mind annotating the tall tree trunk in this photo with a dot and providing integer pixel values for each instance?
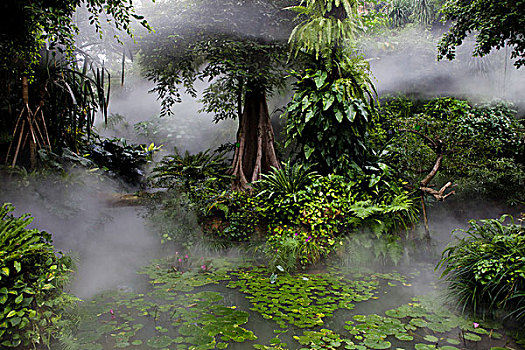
(255, 152)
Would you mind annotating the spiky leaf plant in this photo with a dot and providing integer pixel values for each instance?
(177, 169)
(486, 268)
(288, 180)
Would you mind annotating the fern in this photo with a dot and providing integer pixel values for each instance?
(288, 180)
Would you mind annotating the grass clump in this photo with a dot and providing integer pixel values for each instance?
(486, 268)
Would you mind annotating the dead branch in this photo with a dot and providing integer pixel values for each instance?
(438, 195)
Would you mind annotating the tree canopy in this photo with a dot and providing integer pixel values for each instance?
(27, 25)
(224, 42)
(496, 23)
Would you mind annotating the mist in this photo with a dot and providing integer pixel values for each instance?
(407, 63)
(108, 243)
(134, 115)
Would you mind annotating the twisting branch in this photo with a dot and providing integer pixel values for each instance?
(438, 146)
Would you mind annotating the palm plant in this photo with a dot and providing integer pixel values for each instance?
(287, 181)
(189, 168)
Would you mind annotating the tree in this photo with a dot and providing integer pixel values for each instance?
(496, 23)
(30, 24)
(240, 48)
(332, 108)
(31, 30)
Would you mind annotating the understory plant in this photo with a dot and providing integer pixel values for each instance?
(186, 170)
(32, 276)
(483, 145)
(330, 113)
(485, 268)
(326, 208)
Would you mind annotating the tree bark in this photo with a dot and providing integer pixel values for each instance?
(255, 151)
(438, 147)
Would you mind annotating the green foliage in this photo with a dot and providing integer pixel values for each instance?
(330, 113)
(287, 181)
(188, 169)
(311, 220)
(423, 12)
(359, 249)
(399, 12)
(496, 22)
(224, 34)
(30, 24)
(284, 250)
(71, 94)
(118, 157)
(236, 212)
(484, 148)
(486, 268)
(323, 26)
(32, 276)
(301, 300)
(170, 314)
(203, 179)
(323, 339)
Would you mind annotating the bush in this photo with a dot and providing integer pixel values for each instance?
(32, 275)
(486, 268)
(327, 208)
(484, 144)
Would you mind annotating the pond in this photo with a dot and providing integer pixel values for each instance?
(187, 300)
(194, 299)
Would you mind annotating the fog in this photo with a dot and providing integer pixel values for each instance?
(108, 243)
(407, 63)
(113, 242)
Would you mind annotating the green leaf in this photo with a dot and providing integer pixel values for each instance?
(328, 100)
(338, 115)
(18, 266)
(309, 115)
(308, 151)
(320, 78)
(350, 113)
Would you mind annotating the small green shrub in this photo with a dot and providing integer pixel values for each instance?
(283, 251)
(288, 180)
(331, 207)
(32, 275)
(486, 268)
(186, 170)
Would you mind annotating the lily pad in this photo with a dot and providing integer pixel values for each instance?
(472, 337)
(431, 338)
(159, 342)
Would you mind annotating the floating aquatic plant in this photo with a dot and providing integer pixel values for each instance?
(299, 300)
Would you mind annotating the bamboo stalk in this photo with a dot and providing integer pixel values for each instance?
(19, 141)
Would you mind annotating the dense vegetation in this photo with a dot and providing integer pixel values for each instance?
(351, 177)
(486, 268)
(32, 276)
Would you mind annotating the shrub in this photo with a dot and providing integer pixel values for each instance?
(186, 170)
(332, 206)
(484, 144)
(32, 275)
(486, 268)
